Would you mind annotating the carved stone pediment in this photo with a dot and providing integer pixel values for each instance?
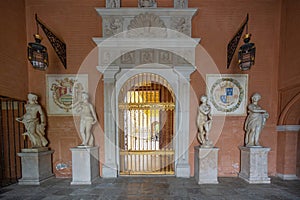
(147, 25)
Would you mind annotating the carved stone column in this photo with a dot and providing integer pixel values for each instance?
(110, 168)
(183, 116)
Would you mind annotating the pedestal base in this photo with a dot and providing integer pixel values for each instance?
(85, 165)
(183, 171)
(206, 165)
(109, 171)
(254, 164)
(36, 167)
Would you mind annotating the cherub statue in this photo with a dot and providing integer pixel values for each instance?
(204, 122)
(255, 121)
(87, 120)
(34, 121)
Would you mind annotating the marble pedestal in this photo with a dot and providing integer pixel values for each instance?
(254, 164)
(206, 165)
(85, 165)
(36, 166)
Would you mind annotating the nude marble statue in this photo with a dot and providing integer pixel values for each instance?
(87, 120)
(204, 122)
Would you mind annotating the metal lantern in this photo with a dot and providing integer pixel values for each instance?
(37, 53)
(246, 54)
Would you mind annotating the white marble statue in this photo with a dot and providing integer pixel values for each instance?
(34, 121)
(255, 121)
(204, 122)
(87, 120)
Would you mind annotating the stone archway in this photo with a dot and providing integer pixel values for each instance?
(144, 43)
(146, 126)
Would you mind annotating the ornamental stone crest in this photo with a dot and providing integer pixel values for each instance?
(112, 26)
(147, 25)
(180, 3)
(182, 25)
(112, 3)
(147, 4)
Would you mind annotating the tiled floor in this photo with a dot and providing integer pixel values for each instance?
(154, 188)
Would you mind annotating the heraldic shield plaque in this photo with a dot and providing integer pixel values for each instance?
(64, 92)
(228, 93)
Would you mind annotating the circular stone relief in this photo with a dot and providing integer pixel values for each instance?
(226, 94)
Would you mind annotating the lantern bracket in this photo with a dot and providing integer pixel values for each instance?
(232, 45)
(58, 45)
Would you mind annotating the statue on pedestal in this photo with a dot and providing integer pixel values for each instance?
(34, 121)
(204, 122)
(87, 120)
(255, 121)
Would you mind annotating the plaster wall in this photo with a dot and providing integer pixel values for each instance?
(217, 21)
(13, 55)
(289, 89)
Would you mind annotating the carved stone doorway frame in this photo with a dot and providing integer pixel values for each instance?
(177, 74)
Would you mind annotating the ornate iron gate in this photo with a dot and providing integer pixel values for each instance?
(146, 126)
(11, 140)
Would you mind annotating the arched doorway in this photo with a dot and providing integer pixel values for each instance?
(146, 106)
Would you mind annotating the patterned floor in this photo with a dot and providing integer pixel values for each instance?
(144, 188)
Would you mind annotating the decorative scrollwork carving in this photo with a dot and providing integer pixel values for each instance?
(112, 3)
(147, 4)
(182, 25)
(112, 26)
(180, 3)
(147, 25)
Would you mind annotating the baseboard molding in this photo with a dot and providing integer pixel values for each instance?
(293, 128)
(288, 177)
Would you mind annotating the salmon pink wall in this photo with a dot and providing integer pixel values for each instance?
(76, 21)
(216, 23)
(288, 162)
(13, 58)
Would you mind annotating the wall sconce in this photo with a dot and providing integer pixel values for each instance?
(37, 53)
(246, 53)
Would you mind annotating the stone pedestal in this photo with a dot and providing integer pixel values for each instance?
(36, 166)
(206, 165)
(85, 165)
(254, 164)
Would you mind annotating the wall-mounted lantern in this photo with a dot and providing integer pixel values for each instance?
(246, 53)
(37, 53)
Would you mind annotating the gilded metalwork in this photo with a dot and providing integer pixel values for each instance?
(146, 123)
(147, 106)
